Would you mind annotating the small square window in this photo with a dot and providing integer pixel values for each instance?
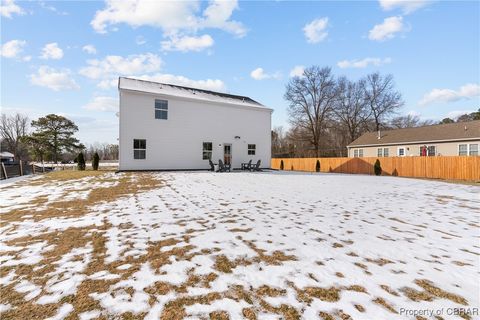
(355, 153)
(360, 153)
(251, 149)
(379, 152)
(401, 152)
(385, 152)
(463, 150)
(431, 151)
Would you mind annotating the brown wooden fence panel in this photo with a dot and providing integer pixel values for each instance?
(440, 167)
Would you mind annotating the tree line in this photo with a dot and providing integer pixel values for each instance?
(49, 138)
(326, 113)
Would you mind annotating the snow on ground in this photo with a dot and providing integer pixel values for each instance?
(240, 245)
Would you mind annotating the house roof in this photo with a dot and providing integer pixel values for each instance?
(186, 92)
(441, 132)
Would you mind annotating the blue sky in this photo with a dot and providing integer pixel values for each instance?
(64, 57)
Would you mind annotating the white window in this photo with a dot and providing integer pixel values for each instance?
(139, 148)
(473, 150)
(251, 149)
(207, 151)
(360, 153)
(355, 153)
(379, 152)
(161, 109)
(401, 151)
(385, 152)
(463, 150)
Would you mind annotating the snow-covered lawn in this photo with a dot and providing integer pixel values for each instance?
(270, 245)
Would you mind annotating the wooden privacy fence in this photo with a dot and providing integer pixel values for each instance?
(12, 170)
(440, 167)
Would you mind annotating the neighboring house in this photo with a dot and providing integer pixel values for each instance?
(169, 127)
(7, 157)
(453, 139)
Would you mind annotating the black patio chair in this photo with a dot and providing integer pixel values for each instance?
(256, 167)
(223, 167)
(212, 165)
(247, 166)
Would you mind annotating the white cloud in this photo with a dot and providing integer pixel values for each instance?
(315, 31)
(90, 49)
(208, 84)
(387, 29)
(407, 6)
(297, 71)
(457, 113)
(187, 43)
(12, 49)
(140, 40)
(377, 62)
(110, 68)
(9, 7)
(102, 104)
(53, 79)
(52, 51)
(170, 16)
(259, 74)
(52, 8)
(467, 91)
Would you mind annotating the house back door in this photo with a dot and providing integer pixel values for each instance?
(227, 153)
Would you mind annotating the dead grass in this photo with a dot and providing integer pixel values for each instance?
(429, 287)
(128, 184)
(384, 304)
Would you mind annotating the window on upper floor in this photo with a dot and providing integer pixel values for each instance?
(139, 149)
(251, 149)
(161, 109)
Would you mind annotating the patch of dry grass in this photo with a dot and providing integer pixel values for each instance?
(384, 304)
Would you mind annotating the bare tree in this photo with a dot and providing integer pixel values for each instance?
(351, 109)
(382, 97)
(409, 121)
(311, 99)
(12, 129)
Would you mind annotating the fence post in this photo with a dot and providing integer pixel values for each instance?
(4, 171)
(43, 167)
(21, 167)
(33, 169)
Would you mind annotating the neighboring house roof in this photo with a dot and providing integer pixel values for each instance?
(186, 92)
(458, 131)
(6, 154)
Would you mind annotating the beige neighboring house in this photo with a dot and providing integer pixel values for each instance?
(452, 139)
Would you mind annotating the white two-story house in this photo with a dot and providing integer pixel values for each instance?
(169, 127)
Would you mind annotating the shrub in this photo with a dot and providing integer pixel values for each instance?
(95, 161)
(317, 167)
(80, 162)
(281, 165)
(377, 168)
